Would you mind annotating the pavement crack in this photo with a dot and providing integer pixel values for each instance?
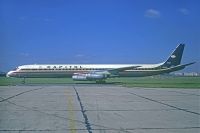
(83, 111)
(5, 99)
(178, 108)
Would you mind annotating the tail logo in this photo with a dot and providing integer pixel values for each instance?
(173, 56)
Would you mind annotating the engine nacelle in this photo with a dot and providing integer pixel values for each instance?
(88, 76)
(79, 77)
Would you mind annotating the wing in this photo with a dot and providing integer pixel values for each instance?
(101, 75)
(117, 70)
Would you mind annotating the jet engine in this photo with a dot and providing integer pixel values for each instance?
(88, 76)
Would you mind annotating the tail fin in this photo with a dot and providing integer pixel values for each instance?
(175, 57)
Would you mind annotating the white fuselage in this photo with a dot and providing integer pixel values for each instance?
(67, 70)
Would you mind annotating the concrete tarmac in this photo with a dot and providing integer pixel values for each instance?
(87, 108)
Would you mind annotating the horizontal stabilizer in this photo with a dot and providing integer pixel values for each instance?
(176, 68)
(188, 64)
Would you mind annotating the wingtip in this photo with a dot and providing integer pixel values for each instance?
(190, 64)
(193, 63)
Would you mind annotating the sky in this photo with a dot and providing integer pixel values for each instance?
(97, 31)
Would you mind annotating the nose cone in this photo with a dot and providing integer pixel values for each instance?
(9, 74)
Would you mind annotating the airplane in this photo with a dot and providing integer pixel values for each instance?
(101, 72)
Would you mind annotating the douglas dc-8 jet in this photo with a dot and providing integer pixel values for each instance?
(100, 72)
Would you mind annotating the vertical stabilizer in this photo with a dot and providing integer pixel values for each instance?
(175, 58)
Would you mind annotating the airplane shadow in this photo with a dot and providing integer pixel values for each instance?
(73, 83)
(107, 83)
